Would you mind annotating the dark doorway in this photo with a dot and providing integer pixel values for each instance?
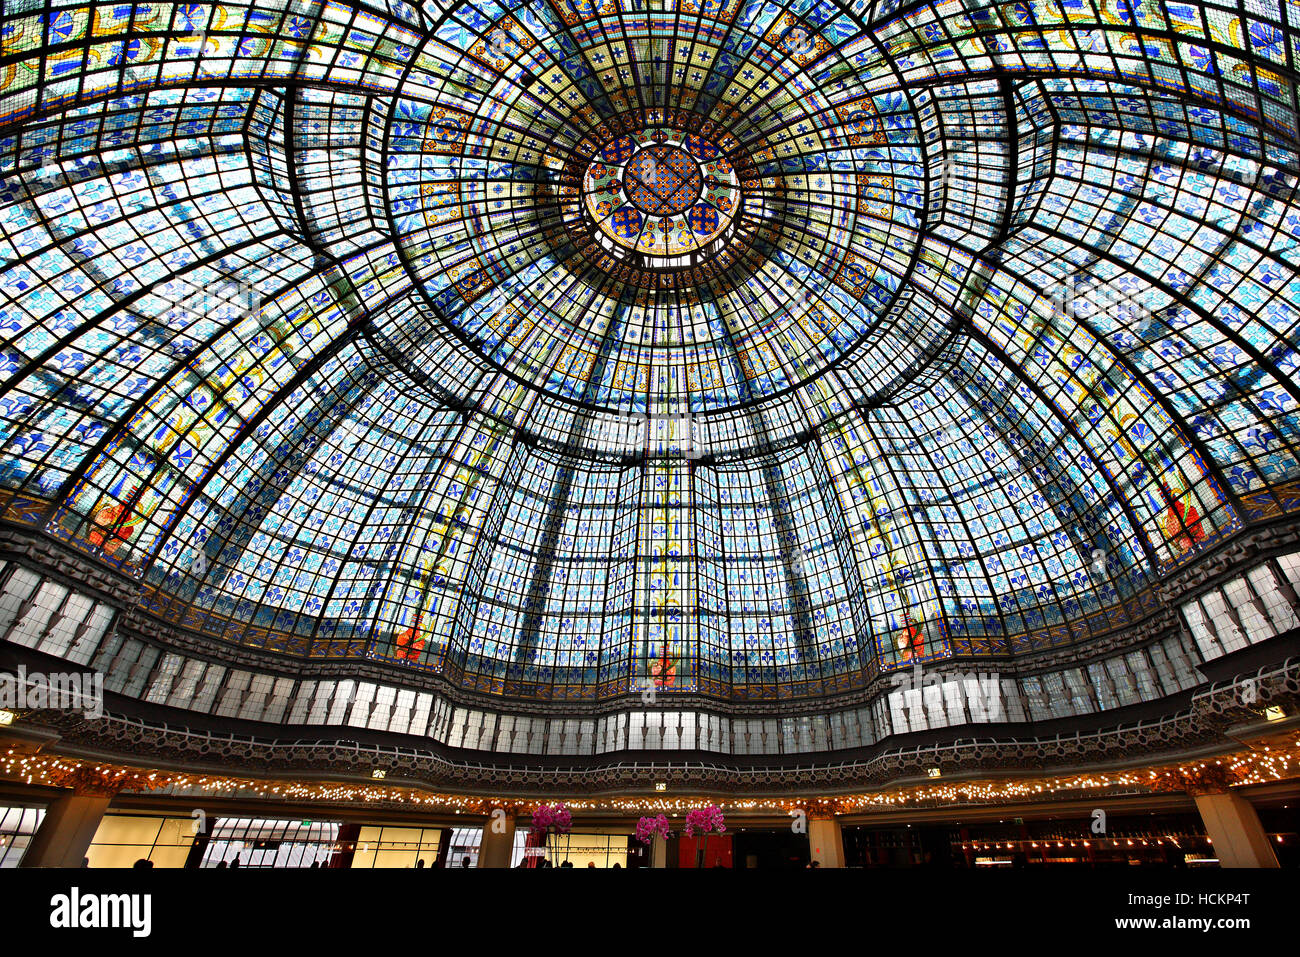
(774, 849)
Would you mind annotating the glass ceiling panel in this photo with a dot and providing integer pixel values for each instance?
(572, 348)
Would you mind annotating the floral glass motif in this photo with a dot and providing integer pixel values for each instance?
(955, 297)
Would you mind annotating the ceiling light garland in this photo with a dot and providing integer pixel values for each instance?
(1276, 760)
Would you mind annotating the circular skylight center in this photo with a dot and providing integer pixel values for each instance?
(662, 181)
(662, 194)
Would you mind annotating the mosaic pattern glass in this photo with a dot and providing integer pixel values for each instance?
(571, 349)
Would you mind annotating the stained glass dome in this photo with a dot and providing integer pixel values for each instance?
(570, 350)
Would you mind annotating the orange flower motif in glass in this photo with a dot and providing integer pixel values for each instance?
(409, 645)
(911, 643)
(1181, 522)
(664, 672)
(112, 526)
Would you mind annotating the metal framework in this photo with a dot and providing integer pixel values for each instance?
(1007, 287)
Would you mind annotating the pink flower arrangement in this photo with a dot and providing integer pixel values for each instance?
(554, 819)
(647, 828)
(704, 821)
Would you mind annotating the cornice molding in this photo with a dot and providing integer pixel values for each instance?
(1214, 714)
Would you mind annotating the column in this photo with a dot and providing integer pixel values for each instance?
(1238, 837)
(346, 848)
(658, 852)
(826, 841)
(498, 844)
(201, 840)
(444, 845)
(67, 830)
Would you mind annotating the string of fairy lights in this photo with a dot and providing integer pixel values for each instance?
(1275, 760)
